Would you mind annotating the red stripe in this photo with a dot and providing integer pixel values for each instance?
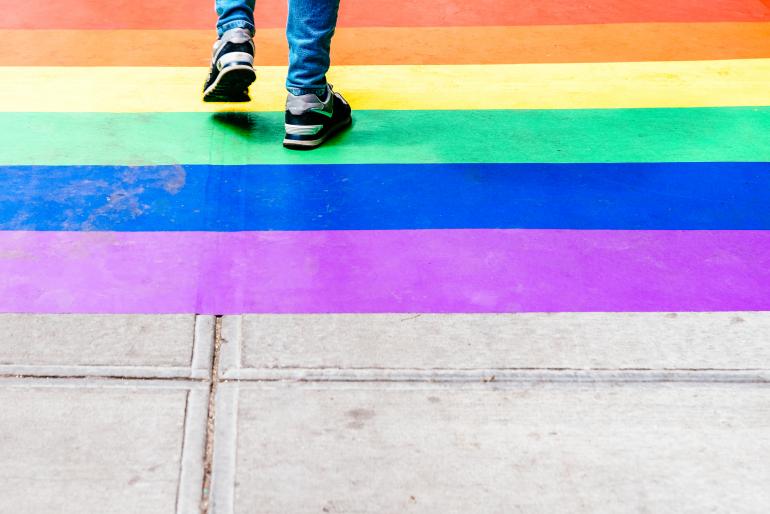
(403, 45)
(124, 14)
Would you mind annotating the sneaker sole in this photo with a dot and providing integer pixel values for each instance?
(308, 144)
(231, 85)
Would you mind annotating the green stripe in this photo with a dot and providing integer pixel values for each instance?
(606, 135)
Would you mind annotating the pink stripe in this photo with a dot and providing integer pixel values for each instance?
(384, 271)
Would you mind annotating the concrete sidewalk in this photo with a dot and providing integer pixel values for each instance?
(526, 413)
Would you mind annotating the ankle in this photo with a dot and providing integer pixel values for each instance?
(240, 31)
(320, 91)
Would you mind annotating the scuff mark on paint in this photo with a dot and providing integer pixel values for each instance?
(118, 203)
(169, 178)
(8, 255)
(173, 179)
(127, 201)
(19, 220)
(98, 204)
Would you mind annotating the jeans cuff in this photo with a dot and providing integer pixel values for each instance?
(319, 91)
(236, 24)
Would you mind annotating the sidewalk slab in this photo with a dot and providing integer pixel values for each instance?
(116, 345)
(459, 448)
(260, 344)
(100, 447)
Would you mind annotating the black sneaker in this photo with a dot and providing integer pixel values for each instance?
(232, 68)
(310, 121)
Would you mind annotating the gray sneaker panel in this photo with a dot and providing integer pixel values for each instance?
(299, 104)
(237, 35)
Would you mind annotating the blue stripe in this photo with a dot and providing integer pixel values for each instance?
(647, 196)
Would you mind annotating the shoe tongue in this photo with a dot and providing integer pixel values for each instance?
(236, 36)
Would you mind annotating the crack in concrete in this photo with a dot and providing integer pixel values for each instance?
(467, 376)
(124, 378)
(208, 456)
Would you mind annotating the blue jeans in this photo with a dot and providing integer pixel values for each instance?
(309, 32)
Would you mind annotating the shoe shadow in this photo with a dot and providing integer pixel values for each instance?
(265, 127)
(248, 125)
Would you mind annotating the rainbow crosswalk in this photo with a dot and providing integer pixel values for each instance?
(506, 157)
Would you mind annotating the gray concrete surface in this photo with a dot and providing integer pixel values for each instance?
(386, 413)
(260, 346)
(105, 345)
(530, 448)
(99, 447)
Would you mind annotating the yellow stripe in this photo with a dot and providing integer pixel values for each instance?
(516, 86)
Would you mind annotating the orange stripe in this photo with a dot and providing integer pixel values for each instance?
(151, 14)
(458, 45)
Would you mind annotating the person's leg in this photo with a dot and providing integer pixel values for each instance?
(309, 31)
(232, 61)
(313, 111)
(235, 14)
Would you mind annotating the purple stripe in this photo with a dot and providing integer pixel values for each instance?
(384, 271)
